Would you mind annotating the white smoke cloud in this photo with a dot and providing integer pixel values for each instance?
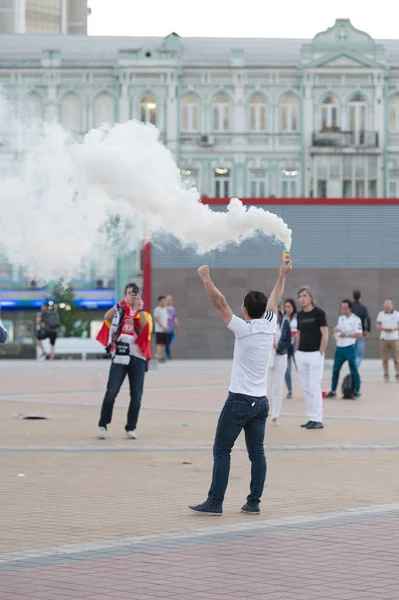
(63, 200)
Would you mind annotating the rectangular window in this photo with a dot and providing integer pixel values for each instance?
(220, 117)
(190, 118)
(393, 186)
(360, 167)
(372, 191)
(288, 189)
(222, 183)
(347, 188)
(359, 189)
(258, 183)
(257, 117)
(322, 188)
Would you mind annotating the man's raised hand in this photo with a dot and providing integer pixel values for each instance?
(203, 272)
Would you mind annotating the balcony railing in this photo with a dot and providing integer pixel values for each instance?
(345, 139)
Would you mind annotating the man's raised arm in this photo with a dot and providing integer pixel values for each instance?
(216, 298)
(278, 289)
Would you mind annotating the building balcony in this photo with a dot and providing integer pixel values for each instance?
(336, 140)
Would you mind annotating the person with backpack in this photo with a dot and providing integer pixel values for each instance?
(127, 329)
(349, 329)
(47, 327)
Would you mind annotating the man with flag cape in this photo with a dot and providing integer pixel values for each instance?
(126, 333)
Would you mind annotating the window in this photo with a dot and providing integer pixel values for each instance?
(329, 113)
(393, 189)
(220, 113)
(258, 183)
(221, 179)
(71, 113)
(104, 110)
(289, 111)
(357, 119)
(288, 188)
(346, 176)
(148, 109)
(257, 114)
(190, 113)
(394, 114)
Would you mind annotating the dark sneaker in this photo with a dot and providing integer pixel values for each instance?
(315, 425)
(250, 509)
(331, 395)
(306, 424)
(207, 509)
(356, 395)
(289, 395)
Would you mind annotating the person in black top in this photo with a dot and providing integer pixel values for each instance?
(311, 344)
(361, 311)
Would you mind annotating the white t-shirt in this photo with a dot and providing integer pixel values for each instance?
(389, 321)
(252, 353)
(348, 325)
(160, 313)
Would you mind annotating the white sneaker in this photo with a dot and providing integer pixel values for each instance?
(275, 422)
(131, 435)
(102, 433)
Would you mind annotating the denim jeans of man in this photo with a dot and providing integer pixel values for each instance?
(360, 349)
(240, 412)
(135, 371)
(348, 353)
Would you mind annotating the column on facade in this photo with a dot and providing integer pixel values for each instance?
(172, 113)
(124, 101)
(307, 126)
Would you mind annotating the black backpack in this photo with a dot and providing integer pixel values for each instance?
(347, 388)
(53, 320)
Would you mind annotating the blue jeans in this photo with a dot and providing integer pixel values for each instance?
(341, 355)
(288, 377)
(135, 370)
(360, 348)
(240, 412)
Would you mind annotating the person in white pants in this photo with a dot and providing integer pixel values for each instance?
(278, 364)
(311, 344)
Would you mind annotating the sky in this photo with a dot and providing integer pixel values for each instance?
(251, 18)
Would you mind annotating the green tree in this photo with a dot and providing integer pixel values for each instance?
(74, 321)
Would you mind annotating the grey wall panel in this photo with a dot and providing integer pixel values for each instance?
(204, 334)
(332, 237)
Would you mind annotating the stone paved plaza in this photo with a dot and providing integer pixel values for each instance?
(108, 520)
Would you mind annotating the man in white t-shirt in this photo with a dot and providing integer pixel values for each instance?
(246, 406)
(348, 330)
(161, 329)
(388, 325)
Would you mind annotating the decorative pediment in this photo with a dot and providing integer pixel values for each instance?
(343, 46)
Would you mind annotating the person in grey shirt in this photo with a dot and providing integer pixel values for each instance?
(360, 310)
(3, 333)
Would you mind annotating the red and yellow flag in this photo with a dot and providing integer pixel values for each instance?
(143, 339)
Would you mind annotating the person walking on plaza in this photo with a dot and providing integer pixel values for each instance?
(348, 330)
(388, 325)
(127, 333)
(361, 311)
(161, 319)
(291, 315)
(246, 407)
(47, 326)
(278, 363)
(310, 344)
(173, 325)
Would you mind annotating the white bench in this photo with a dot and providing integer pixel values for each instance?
(82, 347)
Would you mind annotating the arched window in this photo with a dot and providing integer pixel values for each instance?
(220, 113)
(394, 114)
(190, 114)
(104, 110)
(71, 113)
(289, 111)
(148, 109)
(257, 113)
(32, 107)
(329, 113)
(358, 118)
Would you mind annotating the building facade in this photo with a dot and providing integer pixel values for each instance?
(43, 16)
